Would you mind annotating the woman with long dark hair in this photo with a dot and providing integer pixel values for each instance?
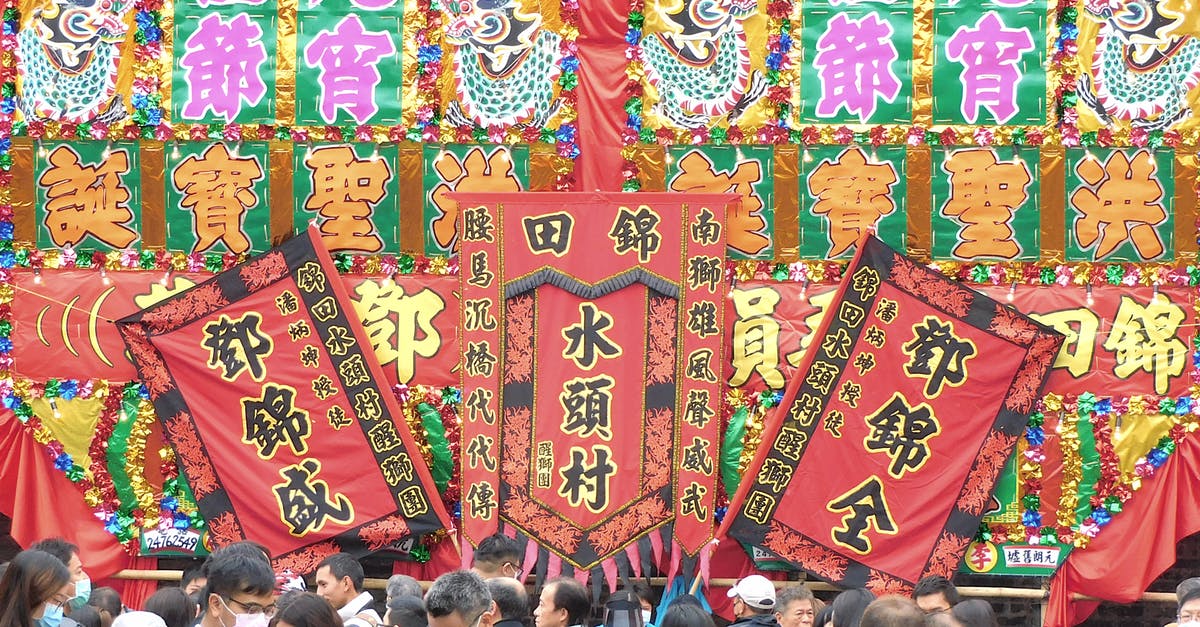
(33, 582)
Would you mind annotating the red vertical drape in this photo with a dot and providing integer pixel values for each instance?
(602, 62)
(1137, 546)
(43, 503)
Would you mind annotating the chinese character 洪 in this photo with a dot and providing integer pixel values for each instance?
(1122, 200)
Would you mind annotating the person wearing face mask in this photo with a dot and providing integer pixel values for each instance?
(498, 556)
(646, 600)
(34, 583)
(240, 591)
(69, 555)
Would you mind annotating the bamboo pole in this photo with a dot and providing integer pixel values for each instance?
(995, 592)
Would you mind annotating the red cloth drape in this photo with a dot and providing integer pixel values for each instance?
(601, 45)
(1137, 546)
(43, 503)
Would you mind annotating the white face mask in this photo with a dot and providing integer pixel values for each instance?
(1190, 623)
(645, 617)
(246, 620)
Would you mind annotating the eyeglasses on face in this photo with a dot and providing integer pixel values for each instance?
(254, 608)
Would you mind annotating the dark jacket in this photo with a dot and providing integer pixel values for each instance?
(756, 620)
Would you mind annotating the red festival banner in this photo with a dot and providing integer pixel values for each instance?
(592, 371)
(878, 465)
(267, 390)
(1120, 340)
(63, 322)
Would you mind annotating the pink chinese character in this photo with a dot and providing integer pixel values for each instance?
(989, 54)
(348, 57)
(854, 62)
(222, 64)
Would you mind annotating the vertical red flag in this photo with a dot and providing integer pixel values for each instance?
(592, 368)
(268, 391)
(877, 467)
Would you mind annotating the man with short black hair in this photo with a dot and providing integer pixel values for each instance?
(893, 611)
(498, 556)
(460, 599)
(240, 591)
(563, 603)
(340, 581)
(511, 601)
(193, 580)
(935, 594)
(753, 602)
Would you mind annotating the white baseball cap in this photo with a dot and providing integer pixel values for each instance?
(756, 591)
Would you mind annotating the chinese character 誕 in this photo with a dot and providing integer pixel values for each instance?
(348, 58)
(938, 355)
(235, 346)
(476, 172)
(903, 432)
(304, 501)
(586, 405)
(345, 192)
(854, 65)
(586, 479)
(852, 194)
(399, 325)
(273, 420)
(84, 200)
(1121, 201)
(550, 233)
(223, 62)
(867, 509)
(637, 232)
(756, 337)
(697, 174)
(586, 341)
(984, 195)
(218, 188)
(989, 54)
(1144, 337)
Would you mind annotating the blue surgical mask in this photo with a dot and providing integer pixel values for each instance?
(83, 592)
(52, 616)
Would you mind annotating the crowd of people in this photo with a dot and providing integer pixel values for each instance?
(47, 586)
